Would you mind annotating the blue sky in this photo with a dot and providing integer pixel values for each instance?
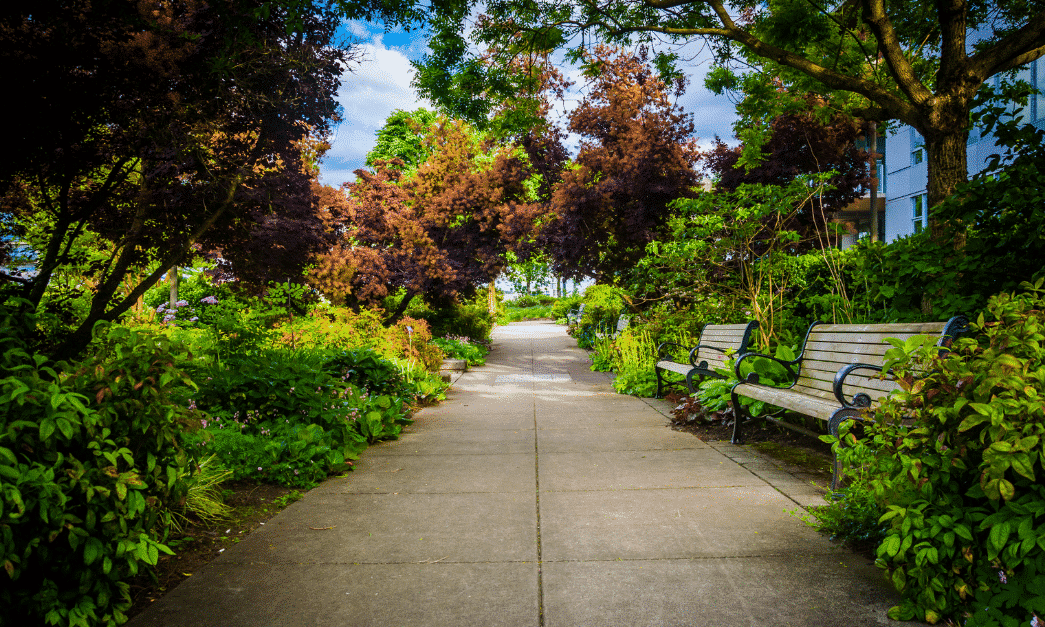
(381, 84)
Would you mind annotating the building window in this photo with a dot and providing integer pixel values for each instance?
(917, 147)
(919, 213)
(880, 173)
(1039, 82)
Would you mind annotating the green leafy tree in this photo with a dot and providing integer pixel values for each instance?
(402, 137)
(917, 62)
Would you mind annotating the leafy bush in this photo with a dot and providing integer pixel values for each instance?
(997, 219)
(603, 305)
(636, 356)
(462, 348)
(955, 459)
(91, 465)
(515, 314)
(471, 319)
(565, 305)
(295, 417)
(531, 300)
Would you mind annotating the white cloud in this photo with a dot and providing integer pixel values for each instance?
(377, 87)
(381, 84)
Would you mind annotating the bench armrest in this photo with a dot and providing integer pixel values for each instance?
(860, 400)
(752, 377)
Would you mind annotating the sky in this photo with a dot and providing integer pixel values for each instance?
(379, 85)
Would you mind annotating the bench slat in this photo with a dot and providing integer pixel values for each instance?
(858, 338)
(911, 328)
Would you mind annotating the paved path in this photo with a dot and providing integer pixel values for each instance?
(535, 496)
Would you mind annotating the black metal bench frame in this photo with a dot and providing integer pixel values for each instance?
(830, 401)
(716, 343)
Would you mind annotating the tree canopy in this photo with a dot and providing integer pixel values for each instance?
(636, 156)
(917, 62)
(149, 132)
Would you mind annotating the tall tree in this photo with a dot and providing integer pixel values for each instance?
(440, 232)
(917, 62)
(636, 156)
(160, 128)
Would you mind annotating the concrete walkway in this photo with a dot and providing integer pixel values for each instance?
(535, 496)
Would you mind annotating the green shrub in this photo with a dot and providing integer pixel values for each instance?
(565, 305)
(955, 459)
(636, 356)
(90, 466)
(462, 348)
(515, 314)
(471, 319)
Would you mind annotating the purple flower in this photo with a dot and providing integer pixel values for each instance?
(160, 309)
(1001, 577)
(168, 318)
(1036, 622)
(209, 300)
(182, 303)
(194, 319)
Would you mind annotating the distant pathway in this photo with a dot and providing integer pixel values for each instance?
(535, 496)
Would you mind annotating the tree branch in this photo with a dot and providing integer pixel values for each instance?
(1015, 49)
(889, 44)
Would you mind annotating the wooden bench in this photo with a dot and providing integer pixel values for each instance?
(622, 324)
(716, 343)
(834, 378)
(574, 317)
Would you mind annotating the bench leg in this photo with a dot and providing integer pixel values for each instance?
(833, 425)
(740, 413)
(660, 382)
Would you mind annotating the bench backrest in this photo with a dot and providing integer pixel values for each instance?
(622, 324)
(735, 338)
(830, 347)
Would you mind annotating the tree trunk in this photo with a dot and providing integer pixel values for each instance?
(172, 278)
(401, 309)
(491, 298)
(873, 149)
(948, 164)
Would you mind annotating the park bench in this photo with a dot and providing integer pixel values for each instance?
(716, 343)
(835, 377)
(573, 318)
(622, 324)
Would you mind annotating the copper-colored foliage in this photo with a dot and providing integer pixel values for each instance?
(441, 232)
(636, 156)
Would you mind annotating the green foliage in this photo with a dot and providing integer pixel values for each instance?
(517, 314)
(470, 319)
(565, 305)
(729, 247)
(992, 231)
(603, 305)
(955, 459)
(90, 465)
(295, 418)
(462, 348)
(636, 353)
(402, 137)
(853, 517)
